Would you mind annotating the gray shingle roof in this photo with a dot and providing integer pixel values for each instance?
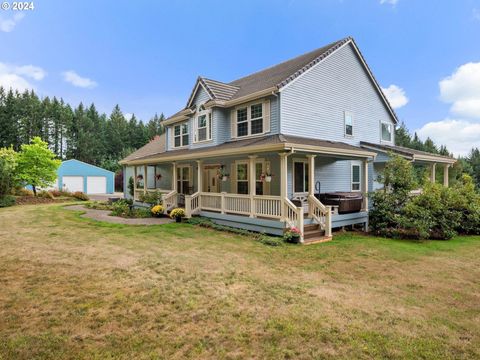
(156, 148)
(404, 151)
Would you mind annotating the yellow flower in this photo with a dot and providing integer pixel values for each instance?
(157, 210)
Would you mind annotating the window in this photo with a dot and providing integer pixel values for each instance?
(348, 117)
(180, 135)
(183, 180)
(300, 176)
(203, 126)
(258, 178)
(386, 132)
(250, 120)
(242, 178)
(355, 177)
(151, 173)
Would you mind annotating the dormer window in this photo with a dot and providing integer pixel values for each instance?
(203, 125)
(180, 135)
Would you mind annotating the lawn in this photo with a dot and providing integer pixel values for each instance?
(71, 288)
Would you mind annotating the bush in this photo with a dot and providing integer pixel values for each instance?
(98, 205)
(271, 241)
(121, 208)
(7, 200)
(157, 210)
(80, 196)
(177, 213)
(22, 192)
(151, 197)
(140, 213)
(45, 194)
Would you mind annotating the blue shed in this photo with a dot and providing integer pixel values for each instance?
(75, 175)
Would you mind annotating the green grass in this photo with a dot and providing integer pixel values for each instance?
(78, 289)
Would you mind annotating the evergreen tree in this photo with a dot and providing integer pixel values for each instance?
(402, 136)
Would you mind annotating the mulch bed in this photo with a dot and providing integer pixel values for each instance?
(33, 200)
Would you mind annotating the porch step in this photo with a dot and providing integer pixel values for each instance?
(316, 240)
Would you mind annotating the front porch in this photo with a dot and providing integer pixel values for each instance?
(264, 192)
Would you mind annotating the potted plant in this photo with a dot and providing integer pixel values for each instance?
(157, 210)
(292, 235)
(177, 214)
(223, 175)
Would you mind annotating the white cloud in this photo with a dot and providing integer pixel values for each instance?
(390, 2)
(7, 25)
(14, 77)
(458, 135)
(128, 116)
(76, 80)
(462, 90)
(396, 96)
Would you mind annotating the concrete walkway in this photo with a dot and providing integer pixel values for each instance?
(103, 215)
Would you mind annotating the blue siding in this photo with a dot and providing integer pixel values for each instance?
(313, 105)
(79, 168)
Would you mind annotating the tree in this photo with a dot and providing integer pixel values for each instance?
(8, 164)
(37, 165)
(402, 136)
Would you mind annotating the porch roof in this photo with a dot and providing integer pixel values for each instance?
(155, 151)
(410, 154)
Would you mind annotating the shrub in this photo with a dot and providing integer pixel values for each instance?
(131, 186)
(157, 210)
(80, 196)
(22, 192)
(45, 194)
(292, 235)
(7, 200)
(151, 197)
(271, 241)
(177, 213)
(98, 205)
(55, 192)
(140, 213)
(121, 208)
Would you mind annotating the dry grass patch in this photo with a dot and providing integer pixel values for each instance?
(74, 288)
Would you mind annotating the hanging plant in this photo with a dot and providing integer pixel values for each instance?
(158, 176)
(266, 176)
(223, 174)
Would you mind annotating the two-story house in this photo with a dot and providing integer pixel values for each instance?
(297, 144)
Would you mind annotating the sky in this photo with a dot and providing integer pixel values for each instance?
(146, 55)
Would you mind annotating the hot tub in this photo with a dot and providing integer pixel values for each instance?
(347, 202)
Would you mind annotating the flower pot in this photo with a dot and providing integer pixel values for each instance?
(268, 178)
(224, 178)
(178, 219)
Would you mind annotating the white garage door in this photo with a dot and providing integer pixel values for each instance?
(73, 183)
(96, 185)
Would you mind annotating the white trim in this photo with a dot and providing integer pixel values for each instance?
(392, 129)
(179, 171)
(345, 113)
(208, 126)
(195, 92)
(359, 177)
(249, 119)
(182, 145)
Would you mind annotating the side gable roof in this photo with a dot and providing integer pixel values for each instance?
(278, 76)
(156, 146)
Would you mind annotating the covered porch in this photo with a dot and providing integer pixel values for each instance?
(265, 191)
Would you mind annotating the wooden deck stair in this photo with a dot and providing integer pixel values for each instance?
(312, 234)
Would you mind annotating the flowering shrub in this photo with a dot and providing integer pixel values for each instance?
(292, 235)
(157, 210)
(177, 213)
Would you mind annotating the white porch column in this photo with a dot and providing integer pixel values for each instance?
(199, 175)
(174, 176)
(432, 173)
(365, 185)
(145, 179)
(251, 183)
(311, 174)
(445, 175)
(283, 183)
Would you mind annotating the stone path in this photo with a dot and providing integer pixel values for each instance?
(103, 215)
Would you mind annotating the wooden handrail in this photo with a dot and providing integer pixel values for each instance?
(321, 214)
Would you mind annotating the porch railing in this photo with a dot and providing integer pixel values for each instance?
(192, 204)
(169, 200)
(321, 214)
(293, 216)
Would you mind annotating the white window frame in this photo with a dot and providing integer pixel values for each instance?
(391, 131)
(305, 174)
(359, 178)
(249, 118)
(246, 163)
(181, 135)
(180, 170)
(345, 114)
(208, 126)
